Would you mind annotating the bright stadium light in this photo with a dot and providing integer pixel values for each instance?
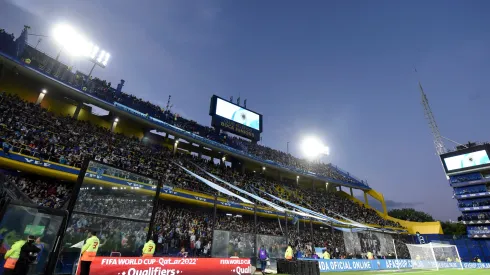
(76, 44)
(312, 147)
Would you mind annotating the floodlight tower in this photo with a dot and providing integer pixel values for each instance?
(436, 135)
(76, 44)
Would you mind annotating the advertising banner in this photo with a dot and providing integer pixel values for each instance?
(169, 266)
(359, 265)
(360, 242)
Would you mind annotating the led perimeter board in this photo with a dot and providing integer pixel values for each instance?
(469, 159)
(235, 119)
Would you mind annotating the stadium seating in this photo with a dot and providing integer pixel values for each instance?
(475, 216)
(466, 177)
(474, 202)
(28, 129)
(470, 189)
(103, 90)
(33, 189)
(33, 131)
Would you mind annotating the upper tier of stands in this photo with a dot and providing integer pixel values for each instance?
(103, 90)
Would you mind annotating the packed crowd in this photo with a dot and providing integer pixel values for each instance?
(474, 216)
(474, 202)
(116, 203)
(124, 236)
(104, 90)
(40, 191)
(330, 203)
(183, 226)
(465, 177)
(34, 131)
(479, 229)
(471, 189)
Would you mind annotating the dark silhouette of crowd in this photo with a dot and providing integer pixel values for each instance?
(36, 190)
(116, 203)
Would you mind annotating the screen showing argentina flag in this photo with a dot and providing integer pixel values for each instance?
(237, 114)
(467, 160)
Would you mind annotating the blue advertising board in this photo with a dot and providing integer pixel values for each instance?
(363, 265)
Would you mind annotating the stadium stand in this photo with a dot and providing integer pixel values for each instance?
(474, 202)
(32, 130)
(34, 189)
(28, 129)
(103, 90)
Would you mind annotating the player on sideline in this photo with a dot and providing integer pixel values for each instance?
(149, 248)
(89, 251)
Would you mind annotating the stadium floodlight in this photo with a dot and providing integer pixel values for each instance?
(44, 91)
(76, 44)
(312, 147)
(116, 120)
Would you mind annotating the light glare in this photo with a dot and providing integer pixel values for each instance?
(313, 147)
(95, 50)
(107, 56)
(72, 42)
(101, 55)
(75, 44)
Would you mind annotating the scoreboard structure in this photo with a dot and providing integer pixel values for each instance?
(235, 119)
(468, 170)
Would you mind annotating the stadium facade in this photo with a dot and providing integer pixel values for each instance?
(39, 79)
(66, 96)
(468, 171)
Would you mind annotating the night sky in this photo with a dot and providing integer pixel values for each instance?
(341, 70)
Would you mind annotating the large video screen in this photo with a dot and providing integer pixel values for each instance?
(467, 160)
(237, 114)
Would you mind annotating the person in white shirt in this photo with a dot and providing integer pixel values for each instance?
(198, 247)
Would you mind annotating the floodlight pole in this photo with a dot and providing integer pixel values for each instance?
(91, 70)
(59, 53)
(90, 74)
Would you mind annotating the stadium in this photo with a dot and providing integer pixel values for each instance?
(206, 195)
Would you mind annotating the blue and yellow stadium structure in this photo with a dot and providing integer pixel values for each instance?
(18, 77)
